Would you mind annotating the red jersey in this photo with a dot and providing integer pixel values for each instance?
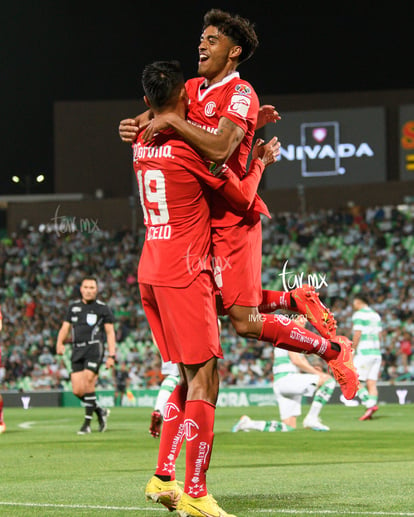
(236, 100)
(172, 181)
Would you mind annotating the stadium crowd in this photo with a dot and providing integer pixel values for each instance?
(339, 252)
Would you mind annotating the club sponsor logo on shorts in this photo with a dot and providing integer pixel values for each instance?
(243, 89)
(239, 105)
(218, 278)
(91, 319)
(210, 109)
(92, 365)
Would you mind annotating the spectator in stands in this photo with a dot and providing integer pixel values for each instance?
(352, 251)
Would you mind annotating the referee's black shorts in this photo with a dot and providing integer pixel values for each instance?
(87, 356)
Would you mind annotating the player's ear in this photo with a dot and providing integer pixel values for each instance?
(235, 52)
(147, 102)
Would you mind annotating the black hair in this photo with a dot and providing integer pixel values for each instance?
(362, 298)
(89, 278)
(238, 29)
(162, 81)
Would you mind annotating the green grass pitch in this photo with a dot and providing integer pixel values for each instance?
(356, 469)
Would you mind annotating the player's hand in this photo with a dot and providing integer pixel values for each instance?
(110, 362)
(268, 153)
(128, 130)
(60, 348)
(267, 114)
(130, 127)
(156, 125)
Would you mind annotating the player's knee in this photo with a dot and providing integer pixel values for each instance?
(246, 328)
(241, 327)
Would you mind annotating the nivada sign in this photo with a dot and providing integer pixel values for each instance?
(329, 147)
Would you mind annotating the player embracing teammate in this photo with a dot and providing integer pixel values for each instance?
(223, 114)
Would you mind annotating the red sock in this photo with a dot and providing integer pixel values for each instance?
(172, 432)
(285, 333)
(199, 426)
(1, 411)
(272, 300)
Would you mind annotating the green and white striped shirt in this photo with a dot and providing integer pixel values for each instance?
(282, 365)
(368, 322)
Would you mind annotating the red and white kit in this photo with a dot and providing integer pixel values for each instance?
(236, 235)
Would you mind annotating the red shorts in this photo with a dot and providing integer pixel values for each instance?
(237, 252)
(183, 320)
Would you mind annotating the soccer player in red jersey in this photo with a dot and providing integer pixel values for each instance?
(223, 114)
(2, 424)
(176, 285)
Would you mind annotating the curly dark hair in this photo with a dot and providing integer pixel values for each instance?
(238, 29)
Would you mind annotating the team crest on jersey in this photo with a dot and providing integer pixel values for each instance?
(91, 319)
(243, 89)
(210, 109)
(239, 105)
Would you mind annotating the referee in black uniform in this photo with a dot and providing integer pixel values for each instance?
(90, 319)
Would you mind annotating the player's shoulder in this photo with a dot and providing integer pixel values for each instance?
(242, 87)
(193, 83)
(100, 302)
(75, 307)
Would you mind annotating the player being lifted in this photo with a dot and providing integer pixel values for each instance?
(222, 117)
(178, 294)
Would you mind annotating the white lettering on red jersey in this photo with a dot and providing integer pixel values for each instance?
(172, 181)
(235, 99)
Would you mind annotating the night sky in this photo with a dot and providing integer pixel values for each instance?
(61, 50)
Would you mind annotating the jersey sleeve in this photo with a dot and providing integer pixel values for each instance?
(241, 105)
(357, 322)
(108, 316)
(241, 193)
(68, 315)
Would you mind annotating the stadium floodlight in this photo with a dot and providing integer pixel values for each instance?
(16, 179)
(40, 178)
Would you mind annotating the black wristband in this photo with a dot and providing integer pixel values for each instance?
(112, 357)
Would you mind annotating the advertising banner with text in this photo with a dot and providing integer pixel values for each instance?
(328, 147)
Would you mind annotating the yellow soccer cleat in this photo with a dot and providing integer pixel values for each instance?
(200, 507)
(167, 493)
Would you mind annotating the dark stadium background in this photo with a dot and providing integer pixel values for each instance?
(81, 51)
